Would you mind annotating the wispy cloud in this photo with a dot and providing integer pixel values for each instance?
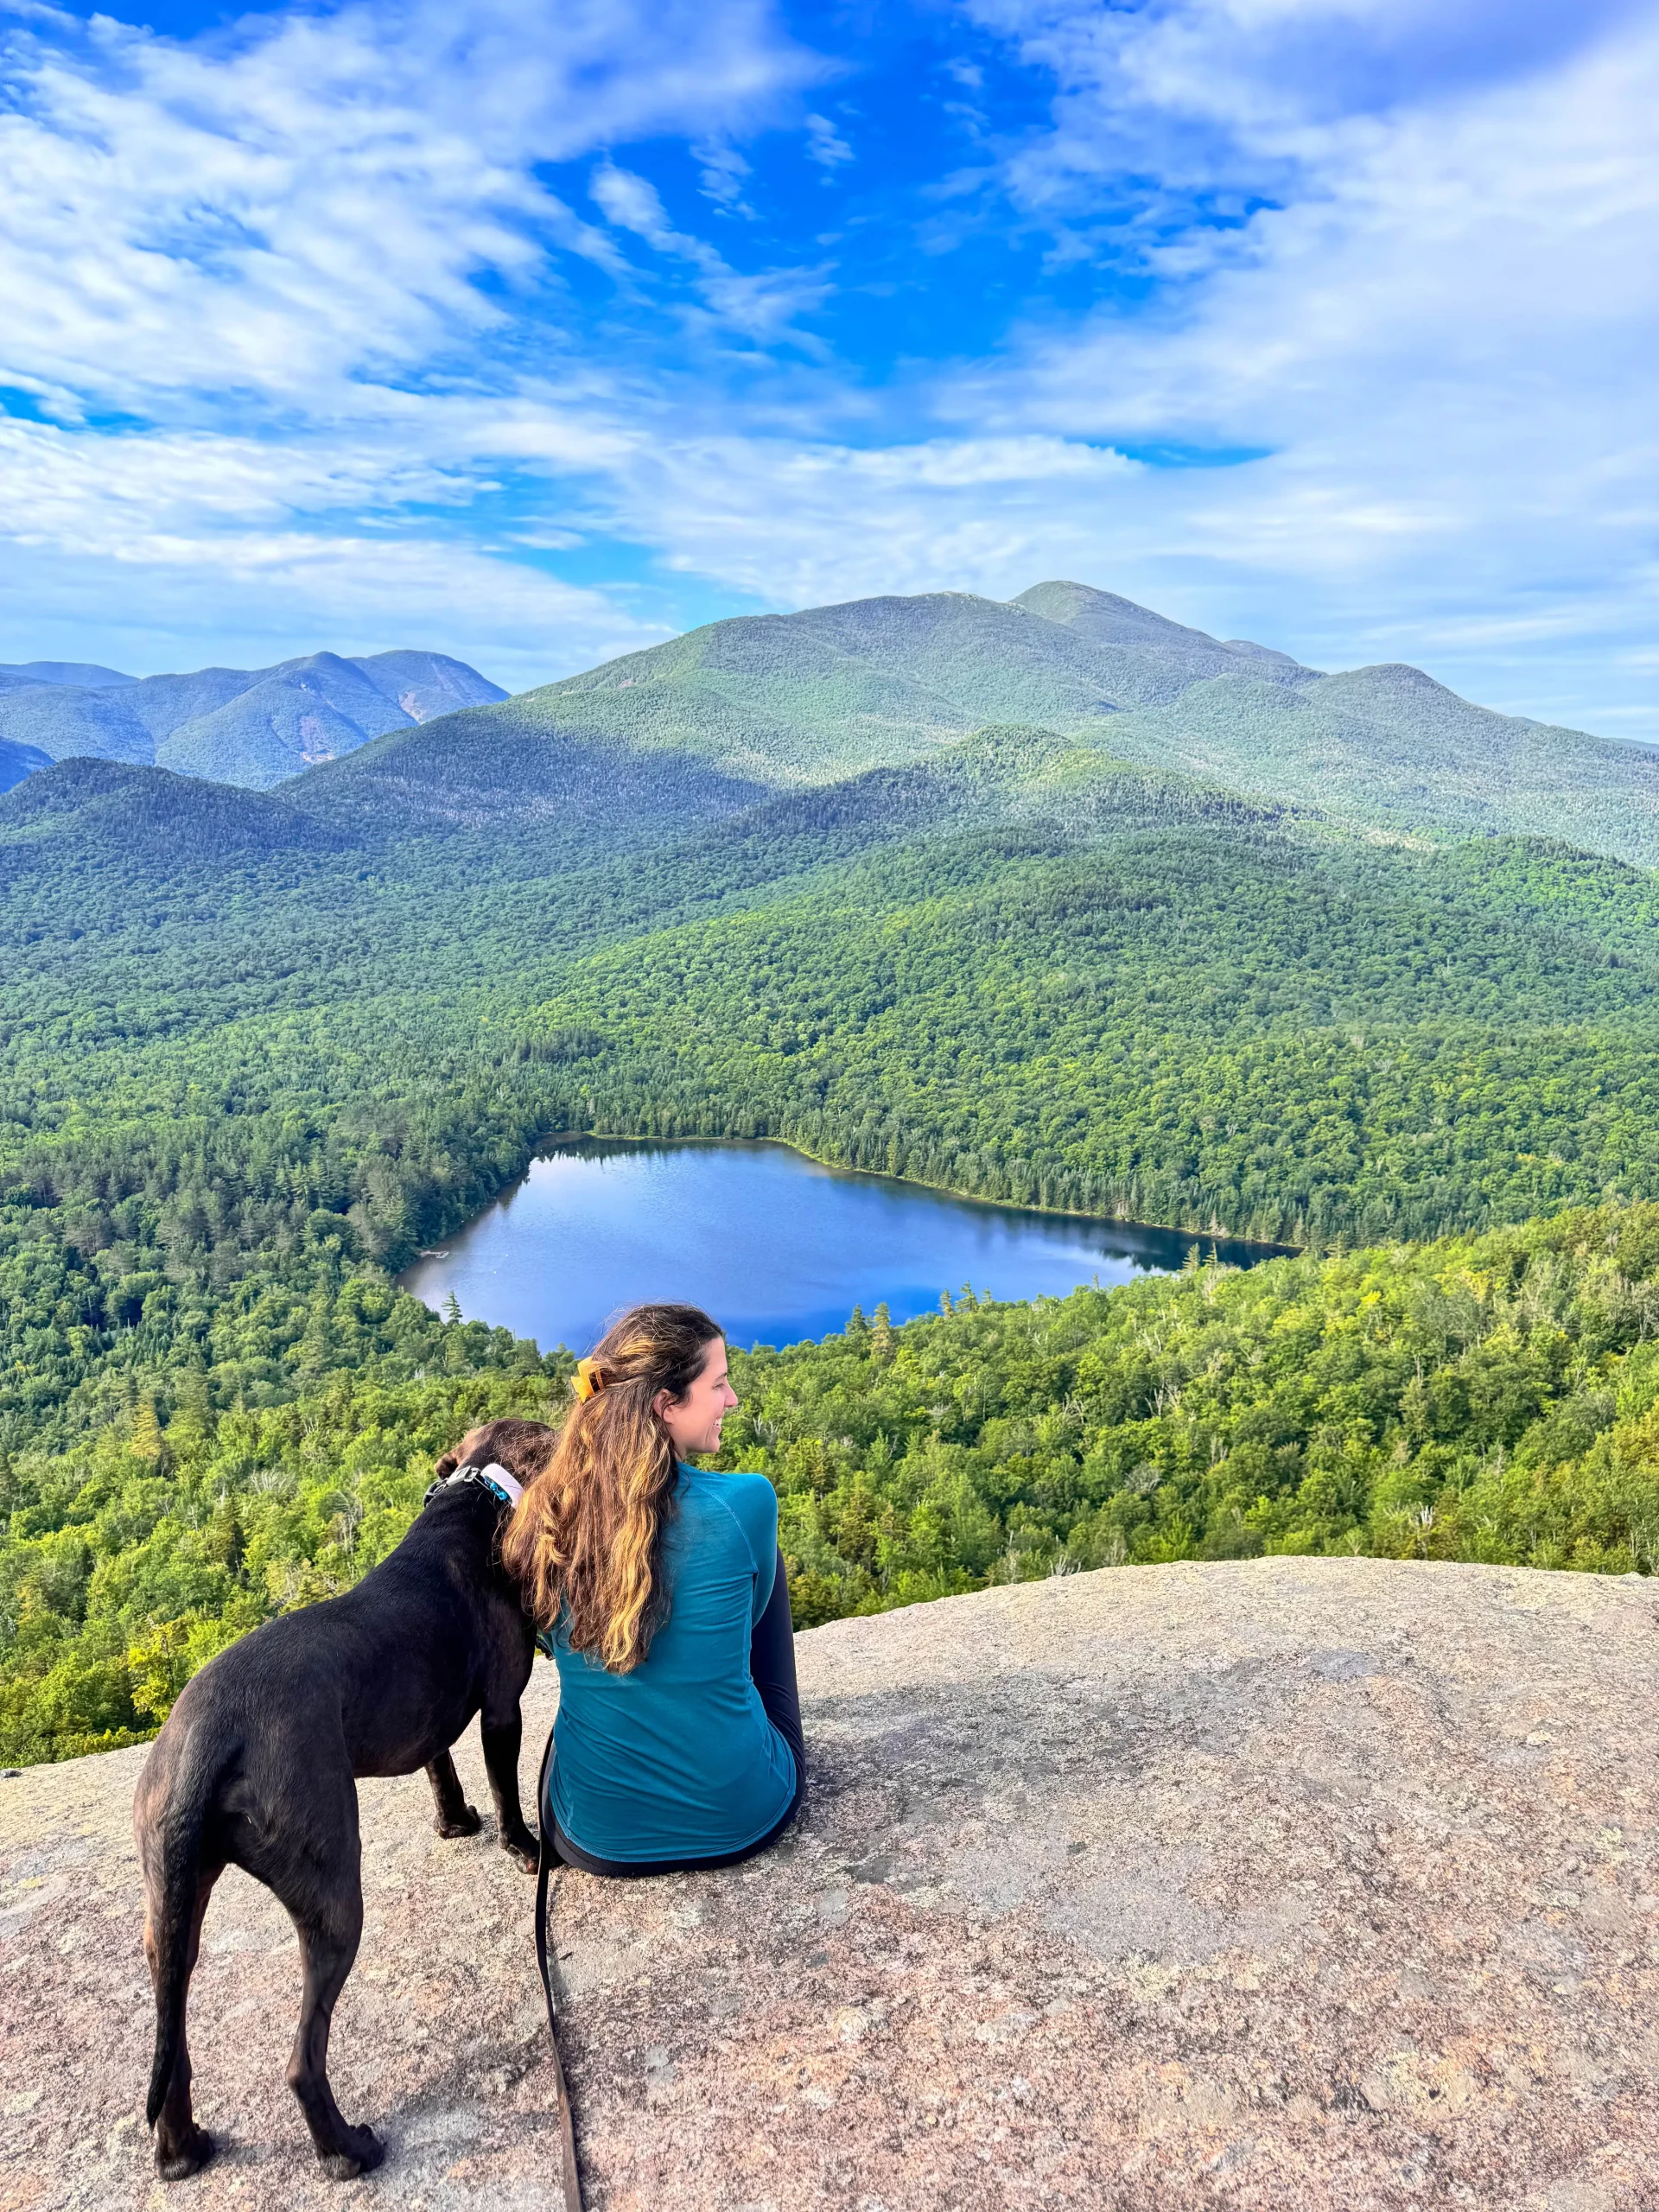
(764, 305)
(825, 144)
(720, 172)
(313, 199)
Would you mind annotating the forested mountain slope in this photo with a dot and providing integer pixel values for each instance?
(789, 700)
(1390, 745)
(1495, 1398)
(239, 725)
(1020, 968)
(512, 781)
(257, 1048)
(810, 696)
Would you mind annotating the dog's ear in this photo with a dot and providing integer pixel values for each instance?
(472, 1450)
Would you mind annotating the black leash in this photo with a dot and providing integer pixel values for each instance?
(571, 2176)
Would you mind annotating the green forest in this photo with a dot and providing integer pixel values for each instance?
(1491, 1398)
(257, 1050)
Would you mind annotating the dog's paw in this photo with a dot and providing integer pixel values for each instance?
(177, 2161)
(467, 1821)
(359, 2152)
(524, 1848)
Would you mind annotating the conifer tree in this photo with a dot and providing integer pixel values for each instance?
(148, 1441)
(881, 1334)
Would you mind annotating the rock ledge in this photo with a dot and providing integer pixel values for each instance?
(1284, 1884)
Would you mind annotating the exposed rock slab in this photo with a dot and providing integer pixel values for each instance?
(1287, 1884)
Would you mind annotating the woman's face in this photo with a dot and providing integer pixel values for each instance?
(693, 1422)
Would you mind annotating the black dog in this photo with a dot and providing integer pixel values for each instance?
(257, 1764)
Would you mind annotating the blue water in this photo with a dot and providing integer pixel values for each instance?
(774, 1246)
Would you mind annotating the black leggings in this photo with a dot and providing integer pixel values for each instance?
(772, 1667)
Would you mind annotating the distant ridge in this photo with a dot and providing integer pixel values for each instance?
(112, 810)
(85, 673)
(251, 727)
(776, 701)
(17, 761)
(721, 718)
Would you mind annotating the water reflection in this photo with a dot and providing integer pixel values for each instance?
(775, 1246)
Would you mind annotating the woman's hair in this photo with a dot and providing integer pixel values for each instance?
(585, 1539)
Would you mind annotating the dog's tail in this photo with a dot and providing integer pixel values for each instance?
(174, 1870)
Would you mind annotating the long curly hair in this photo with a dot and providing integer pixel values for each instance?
(585, 1539)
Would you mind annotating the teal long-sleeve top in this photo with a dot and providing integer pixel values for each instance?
(678, 1759)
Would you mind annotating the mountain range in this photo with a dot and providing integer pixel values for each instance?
(789, 700)
(250, 726)
(708, 722)
(1051, 902)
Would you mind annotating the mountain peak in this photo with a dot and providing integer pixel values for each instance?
(251, 727)
(87, 674)
(1106, 619)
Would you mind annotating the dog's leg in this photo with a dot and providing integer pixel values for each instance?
(321, 1883)
(181, 2147)
(454, 1816)
(501, 1745)
(328, 1940)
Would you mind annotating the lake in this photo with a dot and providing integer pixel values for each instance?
(775, 1246)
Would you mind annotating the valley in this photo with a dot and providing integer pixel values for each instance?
(1051, 903)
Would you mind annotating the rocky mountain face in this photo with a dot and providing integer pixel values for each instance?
(1330, 1883)
(252, 727)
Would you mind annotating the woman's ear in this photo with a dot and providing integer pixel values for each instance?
(662, 1402)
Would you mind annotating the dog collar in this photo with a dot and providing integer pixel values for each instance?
(494, 1479)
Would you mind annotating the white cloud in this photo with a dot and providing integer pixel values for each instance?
(313, 198)
(720, 174)
(634, 204)
(824, 143)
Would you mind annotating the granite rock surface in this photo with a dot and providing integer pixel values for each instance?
(1283, 1884)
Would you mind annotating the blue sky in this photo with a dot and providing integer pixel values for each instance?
(536, 334)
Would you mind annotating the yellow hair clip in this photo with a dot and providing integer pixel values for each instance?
(589, 1381)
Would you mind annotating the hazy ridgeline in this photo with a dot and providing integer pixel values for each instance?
(1189, 934)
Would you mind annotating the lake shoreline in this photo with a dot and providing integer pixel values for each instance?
(781, 1242)
(912, 1182)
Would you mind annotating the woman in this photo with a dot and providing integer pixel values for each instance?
(678, 1740)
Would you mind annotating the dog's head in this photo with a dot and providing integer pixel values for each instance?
(520, 1447)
